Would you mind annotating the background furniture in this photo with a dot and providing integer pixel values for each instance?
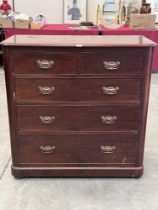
(53, 29)
(77, 104)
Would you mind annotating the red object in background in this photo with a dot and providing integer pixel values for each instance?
(52, 29)
(5, 6)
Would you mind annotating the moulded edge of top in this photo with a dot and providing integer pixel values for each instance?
(79, 41)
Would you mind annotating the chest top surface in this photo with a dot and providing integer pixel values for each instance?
(78, 41)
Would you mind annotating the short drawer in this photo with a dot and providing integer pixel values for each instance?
(77, 118)
(43, 63)
(78, 90)
(126, 61)
(78, 149)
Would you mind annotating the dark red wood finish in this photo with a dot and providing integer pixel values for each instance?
(77, 118)
(63, 63)
(93, 63)
(75, 90)
(83, 144)
(72, 150)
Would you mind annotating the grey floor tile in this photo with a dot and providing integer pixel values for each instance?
(4, 129)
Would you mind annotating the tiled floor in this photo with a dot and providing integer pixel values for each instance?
(4, 130)
(81, 194)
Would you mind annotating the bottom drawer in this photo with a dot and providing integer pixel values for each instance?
(77, 149)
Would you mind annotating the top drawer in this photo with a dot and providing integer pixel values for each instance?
(43, 63)
(124, 61)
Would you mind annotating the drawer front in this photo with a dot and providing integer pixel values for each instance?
(43, 63)
(78, 90)
(114, 61)
(78, 149)
(77, 118)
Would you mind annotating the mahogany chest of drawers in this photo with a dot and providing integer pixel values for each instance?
(77, 104)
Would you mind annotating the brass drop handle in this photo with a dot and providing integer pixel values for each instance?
(47, 149)
(45, 64)
(107, 149)
(46, 90)
(108, 120)
(111, 65)
(47, 119)
(110, 90)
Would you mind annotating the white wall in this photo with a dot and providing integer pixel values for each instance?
(53, 9)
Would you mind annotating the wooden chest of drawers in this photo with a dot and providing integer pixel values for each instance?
(77, 105)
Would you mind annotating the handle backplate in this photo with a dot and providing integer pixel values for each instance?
(46, 90)
(47, 119)
(47, 149)
(107, 149)
(110, 90)
(111, 65)
(108, 120)
(45, 64)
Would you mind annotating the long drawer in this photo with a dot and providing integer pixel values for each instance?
(78, 90)
(114, 61)
(77, 118)
(78, 149)
(43, 63)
